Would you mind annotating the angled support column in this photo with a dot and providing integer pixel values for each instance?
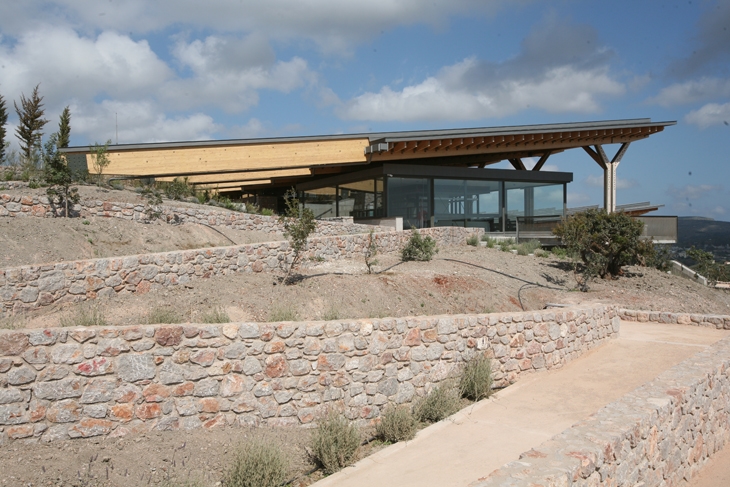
(609, 172)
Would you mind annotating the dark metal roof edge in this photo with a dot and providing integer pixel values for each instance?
(391, 136)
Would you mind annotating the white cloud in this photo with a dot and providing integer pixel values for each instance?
(138, 122)
(578, 199)
(692, 91)
(691, 191)
(334, 25)
(71, 66)
(710, 114)
(557, 71)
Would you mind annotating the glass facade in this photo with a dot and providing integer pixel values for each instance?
(494, 205)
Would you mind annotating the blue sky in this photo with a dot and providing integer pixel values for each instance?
(173, 70)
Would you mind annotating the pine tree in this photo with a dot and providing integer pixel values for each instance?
(3, 121)
(30, 123)
(58, 176)
(64, 129)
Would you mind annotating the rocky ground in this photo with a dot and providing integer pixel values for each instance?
(459, 280)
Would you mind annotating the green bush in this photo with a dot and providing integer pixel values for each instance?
(559, 252)
(476, 380)
(396, 424)
(604, 242)
(491, 242)
(441, 402)
(216, 315)
(527, 248)
(179, 189)
(257, 464)
(163, 316)
(267, 212)
(706, 266)
(85, 315)
(298, 224)
(419, 248)
(335, 443)
(472, 240)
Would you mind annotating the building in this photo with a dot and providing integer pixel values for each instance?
(427, 178)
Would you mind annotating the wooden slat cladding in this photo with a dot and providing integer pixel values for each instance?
(242, 176)
(235, 157)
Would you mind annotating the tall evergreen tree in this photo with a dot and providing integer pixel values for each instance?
(64, 129)
(59, 178)
(30, 123)
(3, 121)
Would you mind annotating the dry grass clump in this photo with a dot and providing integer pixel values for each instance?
(335, 443)
(216, 315)
(283, 313)
(164, 316)
(257, 464)
(441, 402)
(397, 424)
(476, 380)
(85, 315)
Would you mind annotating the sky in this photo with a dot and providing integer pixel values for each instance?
(138, 71)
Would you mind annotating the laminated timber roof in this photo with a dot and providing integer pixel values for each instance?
(249, 164)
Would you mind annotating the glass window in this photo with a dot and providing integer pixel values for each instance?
(467, 203)
(322, 201)
(360, 199)
(409, 198)
(532, 200)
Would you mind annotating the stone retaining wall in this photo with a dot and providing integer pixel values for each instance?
(67, 383)
(34, 286)
(39, 206)
(721, 322)
(658, 435)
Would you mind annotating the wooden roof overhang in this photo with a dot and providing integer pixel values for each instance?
(283, 162)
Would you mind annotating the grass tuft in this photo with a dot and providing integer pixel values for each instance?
(283, 313)
(164, 316)
(216, 315)
(257, 464)
(441, 402)
(85, 315)
(472, 240)
(397, 424)
(335, 443)
(476, 378)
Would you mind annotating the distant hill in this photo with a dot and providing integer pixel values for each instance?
(701, 232)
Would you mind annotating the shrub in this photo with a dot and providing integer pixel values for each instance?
(335, 443)
(267, 212)
(707, 267)
(559, 252)
(472, 240)
(283, 313)
(491, 242)
(371, 250)
(419, 248)
(85, 316)
(396, 424)
(298, 224)
(257, 464)
(163, 316)
(527, 248)
(179, 189)
(476, 380)
(331, 314)
(216, 315)
(441, 402)
(604, 242)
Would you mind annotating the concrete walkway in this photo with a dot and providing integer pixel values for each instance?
(483, 437)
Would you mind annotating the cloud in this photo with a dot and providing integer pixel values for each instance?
(71, 66)
(621, 183)
(711, 51)
(559, 70)
(693, 91)
(578, 199)
(139, 122)
(693, 192)
(333, 25)
(710, 114)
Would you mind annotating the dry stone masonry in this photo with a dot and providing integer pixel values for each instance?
(39, 206)
(660, 434)
(62, 383)
(721, 322)
(41, 285)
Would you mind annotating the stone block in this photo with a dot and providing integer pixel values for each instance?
(99, 390)
(131, 368)
(13, 343)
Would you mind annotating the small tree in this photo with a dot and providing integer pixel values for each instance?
(419, 248)
(371, 250)
(706, 266)
(604, 242)
(100, 158)
(30, 123)
(64, 129)
(3, 132)
(298, 224)
(58, 176)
